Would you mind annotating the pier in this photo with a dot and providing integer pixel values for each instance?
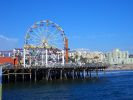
(37, 73)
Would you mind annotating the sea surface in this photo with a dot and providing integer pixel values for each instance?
(115, 85)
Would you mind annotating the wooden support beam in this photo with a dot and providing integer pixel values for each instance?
(65, 74)
(96, 72)
(73, 73)
(30, 75)
(8, 75)
(104, 71)
(90, 73)
(84, 74)
(61, 74)
(35, 75)
(15, 75)
(23, 75)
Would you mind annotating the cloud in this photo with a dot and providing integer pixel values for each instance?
(7, 43)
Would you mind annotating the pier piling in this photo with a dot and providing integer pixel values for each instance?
(30, 75)
(73, 73)
(23, 75)
(48, 73)
(61, 74)
(8, 75)
(35, 75)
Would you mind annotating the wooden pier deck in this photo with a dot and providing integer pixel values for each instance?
(36, 73)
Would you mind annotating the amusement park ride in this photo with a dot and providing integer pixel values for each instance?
(45, 45)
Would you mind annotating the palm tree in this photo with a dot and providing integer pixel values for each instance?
(82, 59)
(96, 58)
(71, 58)
(76, 57)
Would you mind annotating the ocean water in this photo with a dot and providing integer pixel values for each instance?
(115, 85)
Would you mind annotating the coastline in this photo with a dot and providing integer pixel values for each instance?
(123, 67)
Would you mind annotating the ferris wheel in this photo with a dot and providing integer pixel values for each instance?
(45, 34)
(45, 43)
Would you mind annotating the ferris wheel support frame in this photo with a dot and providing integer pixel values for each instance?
(24, 57)
(58, 56)
(46, 59)
(63, 60)
(9, 54)
(64, 55)
(42, 59)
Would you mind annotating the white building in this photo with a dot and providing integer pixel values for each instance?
(94, 56)
(118, 57)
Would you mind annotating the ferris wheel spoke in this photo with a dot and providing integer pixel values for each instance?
(53, 36)
(53, 31)
(39, 29)
(35, 37)
(57, 44)
(41, 32)
(36, 33)
(50, 33)
(55, 39)
(56, 31)
(46, 29)
(36, 41)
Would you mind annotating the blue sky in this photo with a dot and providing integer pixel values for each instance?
(93, 24)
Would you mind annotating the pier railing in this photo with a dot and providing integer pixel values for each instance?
(57, 65)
